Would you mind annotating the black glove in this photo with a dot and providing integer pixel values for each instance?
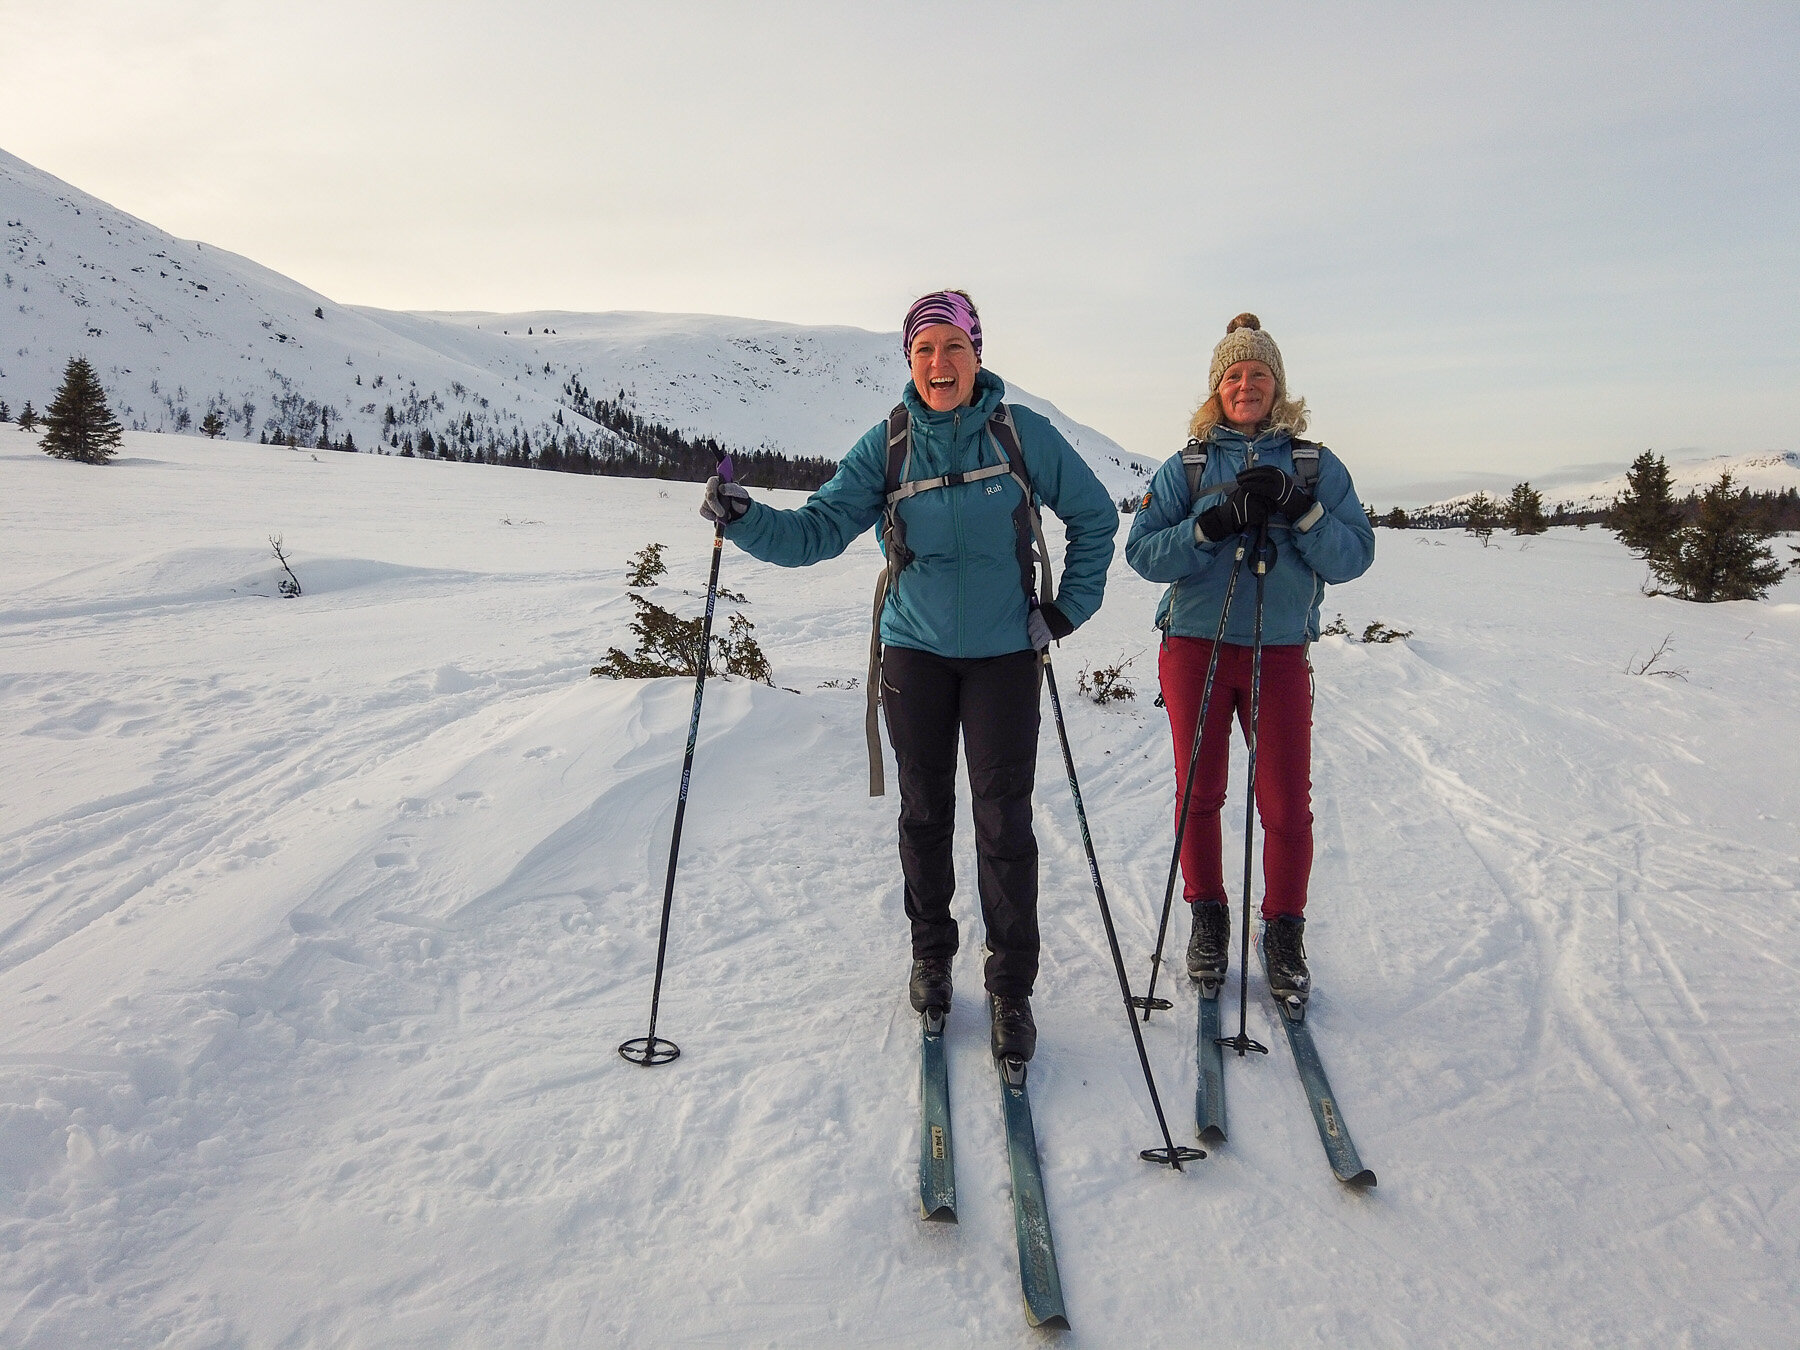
(1236, 512)
(724, 501)
(1046, 624)
(1279, 488)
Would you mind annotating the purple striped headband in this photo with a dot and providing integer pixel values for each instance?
(949, 307)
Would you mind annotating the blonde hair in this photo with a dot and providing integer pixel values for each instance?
(1288, 414)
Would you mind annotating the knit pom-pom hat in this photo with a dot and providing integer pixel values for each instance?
(1245, 340)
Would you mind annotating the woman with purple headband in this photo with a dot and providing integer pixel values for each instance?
(959, 629)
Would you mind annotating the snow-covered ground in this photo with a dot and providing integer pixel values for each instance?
(320, 920)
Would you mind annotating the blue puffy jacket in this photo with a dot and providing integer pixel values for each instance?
(1338, 547)
(962, 595)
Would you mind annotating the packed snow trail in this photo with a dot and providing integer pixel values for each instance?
(320, 919)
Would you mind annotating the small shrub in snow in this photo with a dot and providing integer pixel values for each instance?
(646, 567)
(1377, 631)
(668, 645)
(1107, 684)
(1650, 664)
(1374, 631)
(289, 586)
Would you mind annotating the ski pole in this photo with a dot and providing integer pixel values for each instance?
(1265, 555)
(650, 1048)
(1149, 1002)
(1171, 1153)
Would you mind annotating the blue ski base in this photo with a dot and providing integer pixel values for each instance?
(1333, 1133)
(937, 1159)
(1209, 1083)
(1038, 1276)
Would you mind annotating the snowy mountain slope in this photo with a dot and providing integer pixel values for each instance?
(320, 920)
(176, 328)
(788, 387)
(1767, 471)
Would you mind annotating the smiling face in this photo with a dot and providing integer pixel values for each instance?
(943, 366)
(1246, 394)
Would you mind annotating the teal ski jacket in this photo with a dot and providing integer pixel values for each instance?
(962, 595)
(1339, 546)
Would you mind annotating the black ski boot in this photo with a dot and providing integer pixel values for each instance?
(1285, 952)
(930, 984)
(1209, 945)
(1015, 1033)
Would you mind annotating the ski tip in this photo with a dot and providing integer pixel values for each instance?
(1213, 1135)
(1056, 1321)
(1363, 1180)
(942, 1214)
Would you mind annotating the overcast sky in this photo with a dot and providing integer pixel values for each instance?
(1493, 240)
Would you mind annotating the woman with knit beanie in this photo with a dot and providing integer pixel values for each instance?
(1246, 471)
(959, 630)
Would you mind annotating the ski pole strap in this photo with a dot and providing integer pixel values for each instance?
(871, 709)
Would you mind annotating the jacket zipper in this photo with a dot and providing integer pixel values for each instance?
(956, 517)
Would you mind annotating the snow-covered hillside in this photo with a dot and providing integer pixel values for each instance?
(177, 329)
(1768, 471)
(320, 920)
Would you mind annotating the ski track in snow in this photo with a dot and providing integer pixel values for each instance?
(320, 920)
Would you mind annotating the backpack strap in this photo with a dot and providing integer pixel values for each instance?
(896, 556)
(1028, 528)
(1193, 460)
(1306, 463)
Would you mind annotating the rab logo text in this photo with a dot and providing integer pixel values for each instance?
(992, 488)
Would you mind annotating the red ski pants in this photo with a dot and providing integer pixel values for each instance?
(1283, 763)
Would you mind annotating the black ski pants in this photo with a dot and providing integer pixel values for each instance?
(994, 701)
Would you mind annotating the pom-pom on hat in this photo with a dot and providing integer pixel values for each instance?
(1245, 340)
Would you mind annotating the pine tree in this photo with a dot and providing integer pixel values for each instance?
(1482, 509)
(1645, 516)
(28, 419)
(1524, 510)
(1721, 556)
(78, 424)
(5, 412)
(212, 426)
